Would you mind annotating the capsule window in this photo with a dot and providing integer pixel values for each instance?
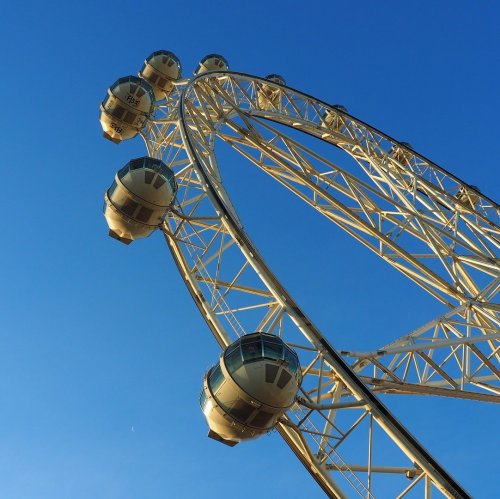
(123, 171)
(173, 183)
(148, 176)
(144, 214)
(233, 360)
(170, 63)
(158, 182)
(118, 111)
(262, 419)
(273, 349)
(233, 347)
(162, 82)
(291, 359)
(140, 92)
(203, 400)
(136, 163)
(216, 378)
(129, 117)
(271, 372)
(133, 88)
(284, 379)
(129, 207)
(111, 190)
(241, 410)
(153, 78)
(252, 351)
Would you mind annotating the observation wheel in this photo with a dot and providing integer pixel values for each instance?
(441, 233)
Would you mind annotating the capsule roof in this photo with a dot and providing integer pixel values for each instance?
(276, 78)
(340, 107)
(470, 186)
(256, 346)
(154, 164)
(136, 81)
(167, 54)
(214, 56)
(212, 62)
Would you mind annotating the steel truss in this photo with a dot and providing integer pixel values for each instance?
(439, 232)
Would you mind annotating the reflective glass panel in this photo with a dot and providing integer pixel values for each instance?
(136, 163)
(148, 176)
(241, 410)
(233, 347)
(291, 359)
(203, 400)
(144, 214)
(271, 372)
(273, 350)
(284, 378)
(216, 378)
(173, 183)
(252, 351)
(112, 188)
(129, 207)
(118, 112)
(159, 182)
(233, 359)
(262, 419)
(129, 117)
(123, 171)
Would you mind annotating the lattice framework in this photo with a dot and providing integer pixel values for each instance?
(436, 230)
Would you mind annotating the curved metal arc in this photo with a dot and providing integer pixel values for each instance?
(218, 74)
(402, 203)
(391, 426)
(430, 364)
(434, 236)
(369, 229)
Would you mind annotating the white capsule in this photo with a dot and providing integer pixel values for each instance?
(333, 119)
(212, 62)
(160, 70)
(401, 153)
(139, 199)
(254, 383)
(468, 196)
(268, 95)
(127, 106)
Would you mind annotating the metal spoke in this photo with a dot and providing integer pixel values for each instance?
(439, 232)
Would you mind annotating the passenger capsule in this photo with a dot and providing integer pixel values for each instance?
(255, 381)
(332, 119)
(126, 108)
(268, 96)
(212, 62)
(160, 70)
(468, 195)
(401, 154)
(139, 198)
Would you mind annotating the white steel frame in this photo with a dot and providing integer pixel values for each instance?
(436, 230)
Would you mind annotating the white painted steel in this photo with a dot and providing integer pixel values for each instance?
(439, 232)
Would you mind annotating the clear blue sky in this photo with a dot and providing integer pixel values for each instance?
(102, 351)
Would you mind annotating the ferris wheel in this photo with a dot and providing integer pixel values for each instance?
(276, 369)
